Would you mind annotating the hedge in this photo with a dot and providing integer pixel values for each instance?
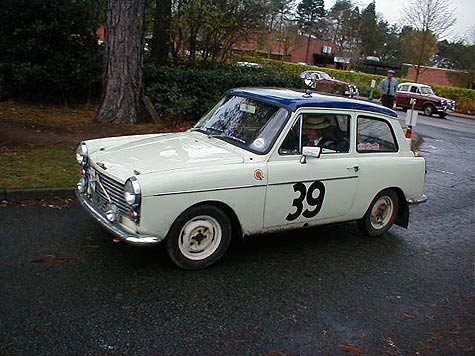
(188, 93)
(361, 80)
(465, 97)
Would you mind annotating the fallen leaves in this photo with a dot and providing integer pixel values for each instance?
(352, 349)
(52, 203)
(55, 260)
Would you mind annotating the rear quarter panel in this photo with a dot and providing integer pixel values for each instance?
(379, 173)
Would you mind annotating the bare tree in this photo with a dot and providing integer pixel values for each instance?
(470, 59)
(430, 18)
(123, 74)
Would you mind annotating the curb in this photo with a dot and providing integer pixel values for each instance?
(416, 141)
(36, 194)
(463, 116)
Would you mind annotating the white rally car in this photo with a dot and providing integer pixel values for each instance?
(261, 160)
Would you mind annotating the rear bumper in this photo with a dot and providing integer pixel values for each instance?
(419, 200)
(116, 229)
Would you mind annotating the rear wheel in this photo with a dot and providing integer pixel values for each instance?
(199, 237)
(428, 109)
(380, 215)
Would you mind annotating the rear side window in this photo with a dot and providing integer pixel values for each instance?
(375, 135)
(404, 88)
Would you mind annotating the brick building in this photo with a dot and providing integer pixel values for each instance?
(293, 49)
(440, 76)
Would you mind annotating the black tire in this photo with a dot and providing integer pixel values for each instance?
(200, 223)
(429, 109)
(378, 219)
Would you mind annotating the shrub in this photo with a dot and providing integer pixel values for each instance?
(189, 92)
(49, 49)
(465, 97)
(361, 80)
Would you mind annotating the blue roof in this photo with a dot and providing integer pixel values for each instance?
(294, 99)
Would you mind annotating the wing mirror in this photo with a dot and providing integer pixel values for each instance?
(308, 151)
(311, 80)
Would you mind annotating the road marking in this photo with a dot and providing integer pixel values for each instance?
(445, 172)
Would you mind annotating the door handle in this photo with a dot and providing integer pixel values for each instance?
(354, 168)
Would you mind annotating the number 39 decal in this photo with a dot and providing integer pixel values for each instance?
(316, 202)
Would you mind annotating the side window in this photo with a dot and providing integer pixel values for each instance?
(404, 88)
(413, 89)
(328, 131)
(375, 135)
(292, 144)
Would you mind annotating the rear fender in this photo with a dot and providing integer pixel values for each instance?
(402, 218)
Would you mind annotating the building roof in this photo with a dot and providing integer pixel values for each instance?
(295, 99)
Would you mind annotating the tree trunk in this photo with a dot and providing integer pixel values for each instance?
(123, 75)
(308, 49)
(161, 31)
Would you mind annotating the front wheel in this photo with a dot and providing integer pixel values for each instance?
(199, 237)
(380, 215)
(428, 110)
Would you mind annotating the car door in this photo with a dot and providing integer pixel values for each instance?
(416, 94)
(402, 96)
(318, 190)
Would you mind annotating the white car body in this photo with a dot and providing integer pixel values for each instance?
(258, 191)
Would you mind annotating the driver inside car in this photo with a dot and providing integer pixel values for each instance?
(316, 132)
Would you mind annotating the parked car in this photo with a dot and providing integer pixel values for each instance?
(325, 84)
(247, 167)
(248, 64)
(425, 98)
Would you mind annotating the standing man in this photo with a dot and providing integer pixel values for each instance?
(387, 88)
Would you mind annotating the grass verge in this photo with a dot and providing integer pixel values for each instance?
(44, 167)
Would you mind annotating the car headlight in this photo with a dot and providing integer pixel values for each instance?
(81, 153)
(132, 192)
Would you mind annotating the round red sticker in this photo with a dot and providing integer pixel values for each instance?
(258, 174)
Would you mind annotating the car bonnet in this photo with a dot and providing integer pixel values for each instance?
(162, 153)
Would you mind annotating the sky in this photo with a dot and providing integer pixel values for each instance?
(391, 11)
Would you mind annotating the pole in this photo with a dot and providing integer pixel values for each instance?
(409, 128)
(371, 93)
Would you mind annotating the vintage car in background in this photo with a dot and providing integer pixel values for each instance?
(248, 64)
(261, 160)
(426, 100)
(323, 83)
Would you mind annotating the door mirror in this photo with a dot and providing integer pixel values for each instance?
(311, 80)
(308, 151)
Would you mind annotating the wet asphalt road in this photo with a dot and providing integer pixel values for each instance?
(67, 289)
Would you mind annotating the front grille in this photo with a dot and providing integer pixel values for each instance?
(115, 190)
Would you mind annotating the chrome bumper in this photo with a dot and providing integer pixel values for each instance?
(421, 199)
(132, 239)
